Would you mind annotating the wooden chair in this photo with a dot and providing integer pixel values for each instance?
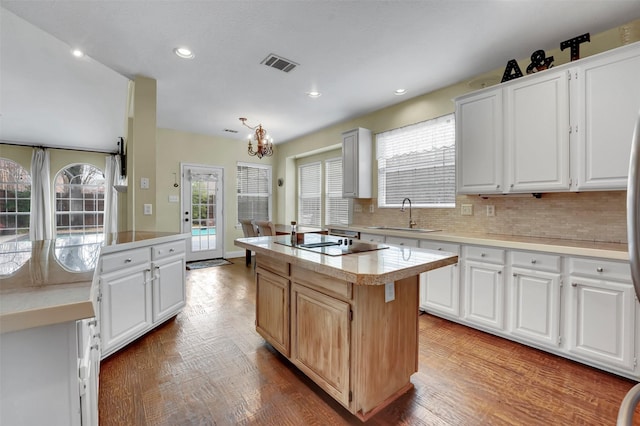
(266, 228)
(249, 230)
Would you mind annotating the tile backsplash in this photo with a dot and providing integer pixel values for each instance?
(589, 216)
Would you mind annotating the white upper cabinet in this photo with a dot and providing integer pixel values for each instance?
(537, 133)
(356, 163)
(606, 104)
(479, 150)
(564, 129)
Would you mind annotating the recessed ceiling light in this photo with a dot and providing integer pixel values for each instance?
(183, 53)
(314, 94)
(77, 53)
(400, 92)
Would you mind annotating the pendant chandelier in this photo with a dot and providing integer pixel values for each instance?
(264, 143)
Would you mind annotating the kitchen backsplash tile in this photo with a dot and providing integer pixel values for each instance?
(589, 216)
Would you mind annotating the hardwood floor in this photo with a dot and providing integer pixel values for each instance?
(208, 366)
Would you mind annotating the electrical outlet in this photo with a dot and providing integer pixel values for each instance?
(467, 210)
(144, 183)
(491, 210)
(370, 208)
(357, 208)
(148, 209)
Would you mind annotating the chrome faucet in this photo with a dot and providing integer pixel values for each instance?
(411, 221)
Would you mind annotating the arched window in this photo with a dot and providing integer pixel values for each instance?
(15, 201)
(79, 190)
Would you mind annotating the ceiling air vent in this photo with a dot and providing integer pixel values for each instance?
(275, 61)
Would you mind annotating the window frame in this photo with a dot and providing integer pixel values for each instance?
(318, 195)
(69, 229)
(412, 150)
(269, 169)
(16, 213)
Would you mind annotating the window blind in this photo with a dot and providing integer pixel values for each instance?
(310, 194)
(418, 161)
(336, 207)
(253, 186)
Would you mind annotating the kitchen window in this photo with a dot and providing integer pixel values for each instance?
(310, 194)
(79, 198)
(336, 207)
(15, 201)
(418, 161)
(254, 191)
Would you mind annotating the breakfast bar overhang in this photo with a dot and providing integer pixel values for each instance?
(349, 322)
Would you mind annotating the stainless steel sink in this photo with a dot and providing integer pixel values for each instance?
(398, 228)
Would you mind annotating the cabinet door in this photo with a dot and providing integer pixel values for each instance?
(537, 138)
(321, 340)
(350, 164)
(125, 306)
(535, 306)
(484, 294)
(169, 294)
(272, 309)
(440, 288)
(479, 143)
(602, 321)
(608, 98)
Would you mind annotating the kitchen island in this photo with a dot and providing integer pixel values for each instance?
(349, 322)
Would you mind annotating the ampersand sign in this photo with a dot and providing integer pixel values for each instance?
(539, 62)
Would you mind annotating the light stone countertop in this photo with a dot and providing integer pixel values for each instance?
(611, 251)
(53, 281)
(367, 268)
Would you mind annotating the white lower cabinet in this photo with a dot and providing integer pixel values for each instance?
(139, 289)
(440, 288)
(169, 267)
(50, 375)
(602, 313)
(584, 309)
(535, 291)
(484, 300)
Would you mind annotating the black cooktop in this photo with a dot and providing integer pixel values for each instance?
(330, 245)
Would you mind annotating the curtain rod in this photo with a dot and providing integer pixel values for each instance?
(57, 147)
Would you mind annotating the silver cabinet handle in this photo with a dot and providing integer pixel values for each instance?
(499, 272)
(600, 269)
(574, 284)
(533, 261)
(128, 260)
(515, 275)
(172, 250)
(92, 322)
(482, 255)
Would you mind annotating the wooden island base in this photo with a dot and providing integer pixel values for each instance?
(358, 347)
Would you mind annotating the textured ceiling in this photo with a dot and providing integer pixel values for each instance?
(356, 53)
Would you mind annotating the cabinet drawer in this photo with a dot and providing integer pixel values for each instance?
(168, 249)
(116, 261)
(372, 238)
(272, 264)
(437, 245)
(323, 283)
(540, 261)
(600, 269)
(484, 254)
(400, 241)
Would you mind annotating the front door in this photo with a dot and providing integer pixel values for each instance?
(202, 218)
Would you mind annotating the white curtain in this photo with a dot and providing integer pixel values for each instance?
(112, 170)
(41, 223)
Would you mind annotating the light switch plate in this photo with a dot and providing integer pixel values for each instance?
(467, 210)
(174, 198)
(148, 209)
(491, 210)
(144, 183)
